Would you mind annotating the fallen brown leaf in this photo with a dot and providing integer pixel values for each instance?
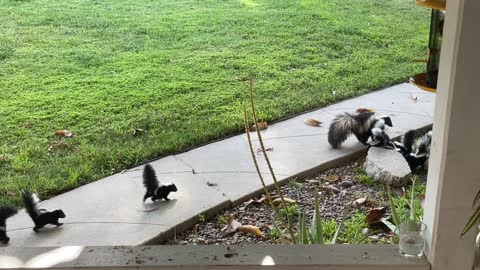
(3, 158)
(64, 133)
(359, 202)
(312, 122)
(278, 201)
(331, 178)
(375, 215)
(250, 229)
(261, 126)
(256, 202)
(232, 226)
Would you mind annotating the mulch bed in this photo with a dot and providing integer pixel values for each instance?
(333, 206)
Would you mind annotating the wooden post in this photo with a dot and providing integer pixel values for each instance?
(454, 167)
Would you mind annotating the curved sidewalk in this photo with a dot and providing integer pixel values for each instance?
(211, 178)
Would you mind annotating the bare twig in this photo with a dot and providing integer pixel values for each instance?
(265, 189)
(277, 187)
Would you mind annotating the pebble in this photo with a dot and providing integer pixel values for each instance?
(346, 184)
(365, 231)
(313, 182)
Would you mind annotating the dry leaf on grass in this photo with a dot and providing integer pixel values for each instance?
(250, 229)
(261, 126)
(331, 178)
(375, 215)
(312, 122)
(329, 188)
(365, 110)
(3, 158)
(278, 201)
(359, 202)
(64, 133)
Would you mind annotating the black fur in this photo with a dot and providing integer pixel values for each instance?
(40, 217)
(155, 191)
(363, 125)
(415, 153)
(5, 213)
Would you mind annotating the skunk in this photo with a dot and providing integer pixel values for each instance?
(154, 189)
(363, 125)
(416, 152)
(5, 213)
(40, 217)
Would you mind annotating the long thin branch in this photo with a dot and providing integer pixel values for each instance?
(277, 187)
(265, 189)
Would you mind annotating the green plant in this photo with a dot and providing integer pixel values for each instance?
(399, 204)
(222, 219)
(201, 217)
(275, 233)
(290, 210)
(294, 184)
(475, 217)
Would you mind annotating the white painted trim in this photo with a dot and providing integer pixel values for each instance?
(328, 257)
(453, 178)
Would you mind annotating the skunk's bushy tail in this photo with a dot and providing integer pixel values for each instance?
(30, 203)
(341, 127)
(150, 179)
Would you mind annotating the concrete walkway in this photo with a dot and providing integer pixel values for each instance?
(110, 211)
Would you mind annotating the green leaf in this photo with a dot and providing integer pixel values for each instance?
(303, 233)
(395, 215)
(412, 202)
(317, 229)
(391, 226)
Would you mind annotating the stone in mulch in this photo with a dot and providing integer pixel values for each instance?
(337, 188)
(387, 166)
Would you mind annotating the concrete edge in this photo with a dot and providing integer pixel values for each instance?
(358, 257)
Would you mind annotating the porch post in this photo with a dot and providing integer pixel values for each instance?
(454, 167)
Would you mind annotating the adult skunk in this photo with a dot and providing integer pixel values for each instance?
(154, 189)
(40, 217)
(415, 151)
(363, 125)
(5, 213)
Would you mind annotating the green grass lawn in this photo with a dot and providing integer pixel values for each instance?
(177, 69)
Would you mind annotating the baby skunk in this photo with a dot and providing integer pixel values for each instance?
(416, 152)
(154, 189)
(5, 213)
(363, 125)
(40, 217)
